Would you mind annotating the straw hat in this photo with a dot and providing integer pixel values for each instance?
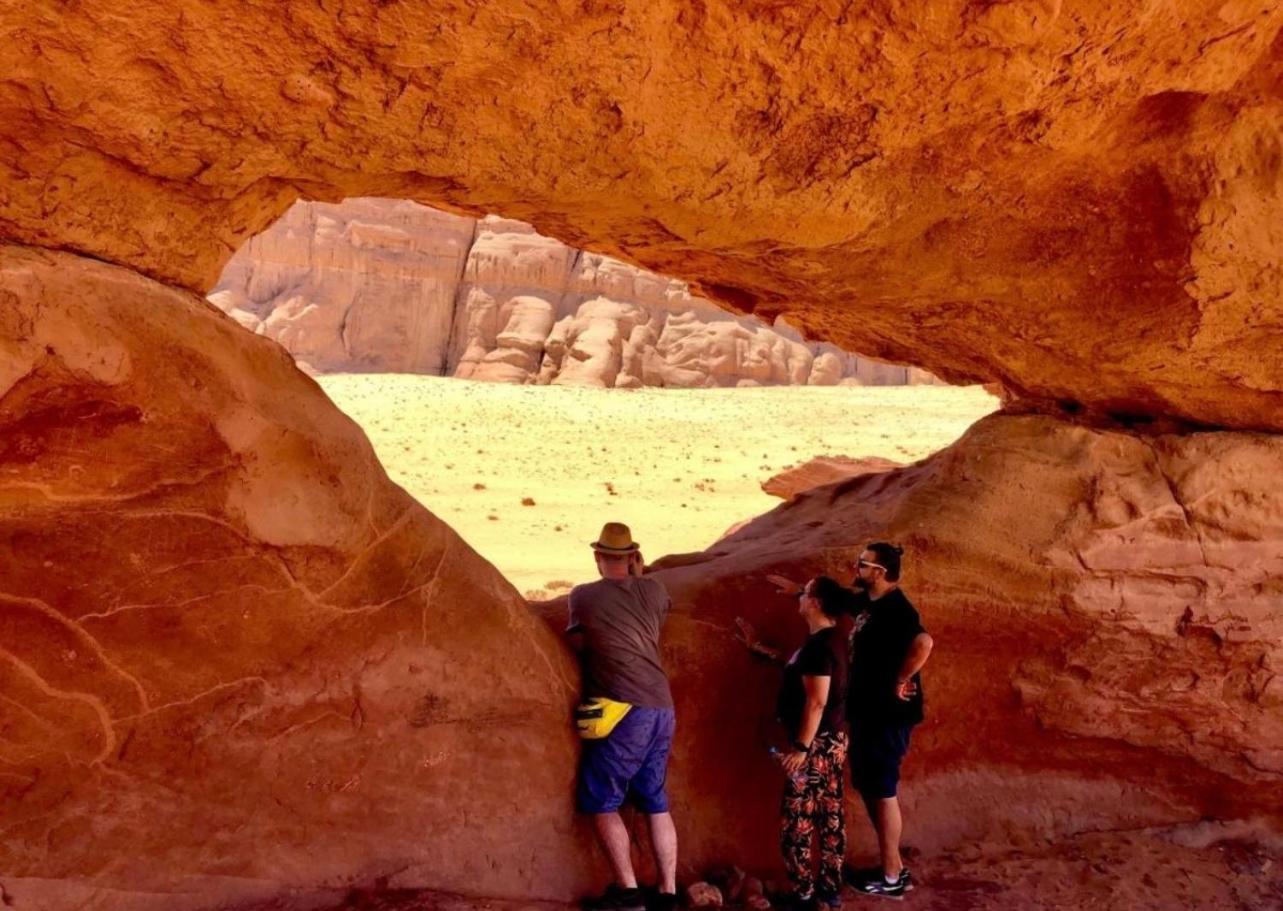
(615, 538)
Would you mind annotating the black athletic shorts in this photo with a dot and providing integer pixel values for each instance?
(875, 755)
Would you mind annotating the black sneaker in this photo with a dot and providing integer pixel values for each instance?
(800, 903)
(662, 901)
(878, 885)
(616, 898)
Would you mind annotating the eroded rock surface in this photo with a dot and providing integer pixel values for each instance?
(1112, 658)
(1079, 199)
(387, 286)
(235, 659)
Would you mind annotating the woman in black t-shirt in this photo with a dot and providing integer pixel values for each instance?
(811, 707)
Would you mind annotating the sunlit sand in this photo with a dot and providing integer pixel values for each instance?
(527, 474)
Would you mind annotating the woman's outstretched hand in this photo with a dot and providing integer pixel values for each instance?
(785, 585)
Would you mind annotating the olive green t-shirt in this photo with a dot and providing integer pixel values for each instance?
(620, 620)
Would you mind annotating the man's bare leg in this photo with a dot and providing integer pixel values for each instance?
(613, 835)
(890, 825)
(663, 841)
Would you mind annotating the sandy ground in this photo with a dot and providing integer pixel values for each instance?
(528, 474)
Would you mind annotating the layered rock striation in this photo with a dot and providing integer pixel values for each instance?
(387, 286)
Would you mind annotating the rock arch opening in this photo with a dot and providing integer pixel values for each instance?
(391, 286)
(375, 296)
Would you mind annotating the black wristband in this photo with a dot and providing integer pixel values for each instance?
(801, 747)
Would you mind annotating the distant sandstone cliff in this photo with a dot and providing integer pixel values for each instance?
(392, 286)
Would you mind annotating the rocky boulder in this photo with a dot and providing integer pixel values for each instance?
(1111, 659)
(237, 660)
(823, 470)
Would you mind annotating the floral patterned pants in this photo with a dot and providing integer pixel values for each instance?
(812, 811)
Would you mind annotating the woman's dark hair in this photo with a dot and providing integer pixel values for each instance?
(888, 556)
(830, 594)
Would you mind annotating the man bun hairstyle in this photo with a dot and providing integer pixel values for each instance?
(830, 594)
(889, 556)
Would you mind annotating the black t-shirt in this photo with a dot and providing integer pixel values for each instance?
(881, 635)
(824, 654)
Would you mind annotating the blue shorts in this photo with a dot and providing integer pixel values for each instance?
(875, 755)
(631, 762)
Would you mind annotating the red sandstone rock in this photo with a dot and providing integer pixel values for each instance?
(1108, 637)
(1080, 200)
(235, 659)
(824, 470)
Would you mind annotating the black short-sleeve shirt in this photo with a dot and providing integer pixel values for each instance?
(881, 634)
(824, 654)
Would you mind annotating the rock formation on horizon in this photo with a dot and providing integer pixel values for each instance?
(381, 285)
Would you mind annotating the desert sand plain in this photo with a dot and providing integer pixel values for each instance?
(527, 474)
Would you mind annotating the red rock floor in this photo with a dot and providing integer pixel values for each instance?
(1130, 870)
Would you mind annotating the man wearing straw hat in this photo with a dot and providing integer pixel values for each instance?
(627, 716)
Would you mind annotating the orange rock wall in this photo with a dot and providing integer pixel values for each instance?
(235, 659)
(1109, 659)
(1081, 200)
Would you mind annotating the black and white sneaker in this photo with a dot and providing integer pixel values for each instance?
(856, 877)
(878, 885)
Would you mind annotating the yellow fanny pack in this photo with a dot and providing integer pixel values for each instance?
(595, 718)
